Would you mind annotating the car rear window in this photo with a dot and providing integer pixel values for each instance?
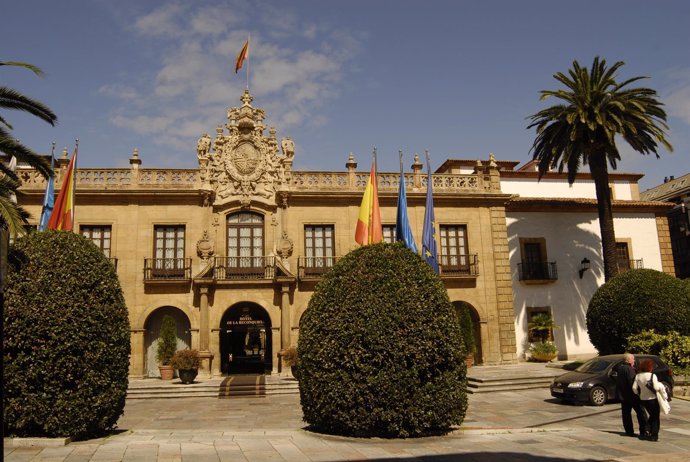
(594, 365)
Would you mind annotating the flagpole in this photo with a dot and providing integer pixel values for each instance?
(249, 36)
(74, 180)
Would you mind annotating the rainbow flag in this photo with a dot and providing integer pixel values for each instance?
(369, 230)
(62, 217)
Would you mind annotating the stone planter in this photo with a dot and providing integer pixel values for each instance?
(187, 375)
(543, 357)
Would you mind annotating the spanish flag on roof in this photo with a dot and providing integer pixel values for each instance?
(369, 230)
(244, 54)
(62, 217)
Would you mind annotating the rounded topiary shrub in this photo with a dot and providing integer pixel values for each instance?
(66, 338)
(636, 301)
(380, 348)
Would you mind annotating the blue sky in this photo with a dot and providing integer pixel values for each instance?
(457, 78)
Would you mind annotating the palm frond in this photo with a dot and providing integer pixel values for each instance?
(12, 99)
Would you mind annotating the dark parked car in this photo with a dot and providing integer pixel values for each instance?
(595, 380)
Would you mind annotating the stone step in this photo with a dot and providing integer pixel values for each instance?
(211, 388)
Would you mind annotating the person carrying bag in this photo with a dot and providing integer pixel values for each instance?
(652, 395)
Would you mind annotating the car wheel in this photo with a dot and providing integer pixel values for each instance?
(597, 396)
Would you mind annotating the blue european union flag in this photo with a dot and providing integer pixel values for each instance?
(403, 232)
(48, 200)
(429, 234)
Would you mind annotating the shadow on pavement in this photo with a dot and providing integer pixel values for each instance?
(482, 457)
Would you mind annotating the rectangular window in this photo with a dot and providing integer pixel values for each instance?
(169, 250)
(623, 256)
(534, 335)
(99, 235)
(534, 264)
(319, 248)
(389, 234)
(454, 255)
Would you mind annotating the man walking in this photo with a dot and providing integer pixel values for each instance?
(628, 399)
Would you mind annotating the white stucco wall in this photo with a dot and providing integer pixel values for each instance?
(529, 187)
(570, 237)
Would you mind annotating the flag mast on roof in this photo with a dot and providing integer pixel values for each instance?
(241, 57)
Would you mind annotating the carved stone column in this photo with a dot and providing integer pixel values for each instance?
(285, 324)
(204, 332)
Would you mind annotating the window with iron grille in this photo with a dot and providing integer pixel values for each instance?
(99, 235)
(319, 247)
(245, 231)
(623, 256)
(169, 249)
(453, 240)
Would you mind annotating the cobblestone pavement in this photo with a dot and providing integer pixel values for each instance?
(525, 426)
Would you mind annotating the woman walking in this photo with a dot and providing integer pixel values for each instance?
(647, 385)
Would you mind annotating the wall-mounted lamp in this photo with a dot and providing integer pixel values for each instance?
(584, 266)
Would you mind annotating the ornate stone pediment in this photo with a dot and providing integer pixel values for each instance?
(243, 164)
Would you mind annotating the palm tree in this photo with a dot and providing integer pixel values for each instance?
(12, 216)
(582, 131)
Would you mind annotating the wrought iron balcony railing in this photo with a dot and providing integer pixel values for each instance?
(243, 268)
(625, 265)
(538, 271)
(459, 265)
(314, 267)
(167, 269)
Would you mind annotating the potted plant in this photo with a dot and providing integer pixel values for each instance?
(187, 363)
(167, 345)
(543, 351)
(541, 326)
(467, 329)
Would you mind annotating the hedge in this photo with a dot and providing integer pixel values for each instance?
(637, 301)
(380, 349)
(67, 340)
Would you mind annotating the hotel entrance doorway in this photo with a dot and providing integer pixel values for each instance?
(245, 340)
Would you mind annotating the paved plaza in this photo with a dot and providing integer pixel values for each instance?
(526, 426)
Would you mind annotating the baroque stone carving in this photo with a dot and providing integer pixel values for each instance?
(284, 249)
(244, 164)
(205, 247)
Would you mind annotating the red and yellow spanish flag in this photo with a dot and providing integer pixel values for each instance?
(62, 217)
(244, 54)
(369, 230)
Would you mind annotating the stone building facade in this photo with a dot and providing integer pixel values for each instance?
(233, 249)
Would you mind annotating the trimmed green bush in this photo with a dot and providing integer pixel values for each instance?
(167, 341)
(636, 301)
(673, 348)
(380, 349)
(467, 329)
(67, 341)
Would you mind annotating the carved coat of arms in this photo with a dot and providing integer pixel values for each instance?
(243, 164)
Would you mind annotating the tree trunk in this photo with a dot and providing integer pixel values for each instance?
(600, 174)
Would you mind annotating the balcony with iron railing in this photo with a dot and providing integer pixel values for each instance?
(540, 271)
(459, 266)
(167, 269)
(244, 268)
(314, 267)
(626, 265)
